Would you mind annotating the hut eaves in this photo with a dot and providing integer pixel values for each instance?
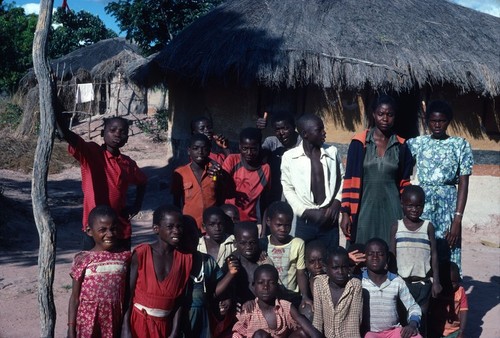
(349, 44)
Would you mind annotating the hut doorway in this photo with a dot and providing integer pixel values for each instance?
(407, 120)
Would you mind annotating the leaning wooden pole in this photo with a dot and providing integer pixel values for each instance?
(44, 222)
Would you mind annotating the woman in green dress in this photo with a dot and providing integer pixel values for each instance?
(378, 166)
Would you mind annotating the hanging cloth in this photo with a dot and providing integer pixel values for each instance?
(84, 93)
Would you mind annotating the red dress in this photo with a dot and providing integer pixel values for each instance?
(103, 275)
(155, 294)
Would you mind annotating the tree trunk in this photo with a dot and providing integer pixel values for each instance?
(44, 222)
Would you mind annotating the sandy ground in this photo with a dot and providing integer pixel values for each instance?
(19, 314)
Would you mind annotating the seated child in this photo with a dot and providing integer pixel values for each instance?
(287, 254)
(206, 284)
(414, 245)
(381, 291)
(448, 312)
(107, 174)
(219, 147)
(99, 280)
(271, 316)
(158, 276)
(250, 257)
(193, 186)
(216, 242)
(338, 299)
(248, 179)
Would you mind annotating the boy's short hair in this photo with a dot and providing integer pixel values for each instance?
(213, 211)
(316, 245)
(161, 211)
(378, 241)
(198, 120)
(337, 251)
(413, 190)
(199, 137)
(279, 207)
(108, 120)
(439, 106)
(266, 268)
(283, 116)
(100, 211)
(246, 226)
(304, 121)
(251, 133)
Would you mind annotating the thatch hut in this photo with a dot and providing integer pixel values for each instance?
(331, 58)
(106, 65)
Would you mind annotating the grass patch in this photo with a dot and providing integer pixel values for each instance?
(17, 155)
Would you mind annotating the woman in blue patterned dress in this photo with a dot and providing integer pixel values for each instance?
(443, 163)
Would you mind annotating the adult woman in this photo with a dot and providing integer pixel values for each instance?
(442, 162)
(378, 167)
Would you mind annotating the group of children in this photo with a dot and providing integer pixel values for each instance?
(225, 262)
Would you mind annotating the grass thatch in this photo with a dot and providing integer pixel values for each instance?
(349, 44)
(88, 57)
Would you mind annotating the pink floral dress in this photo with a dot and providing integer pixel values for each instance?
(103, 275)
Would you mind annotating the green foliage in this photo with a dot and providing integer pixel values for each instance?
(152, 23)
(157, 126)
(10, 115)
(16, 36)
(75, 30)
(16, 39)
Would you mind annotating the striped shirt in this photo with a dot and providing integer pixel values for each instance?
(413, 251)
(382, 302)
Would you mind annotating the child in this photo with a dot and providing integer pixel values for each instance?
(414, 245)
(382, 289)
(99, 280)
(248, 177)
(285, 138)
(250, 255)
(271, 316)
(205, 285)
(194, 186)
(232, 212)
(315, 259)
(338, 300)
(448, 312)
(287, 254)
(216, 242)
(158, 276)
(234, 217)
(219, 150)
(107, 173)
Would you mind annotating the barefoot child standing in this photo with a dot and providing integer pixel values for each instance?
(99, 280)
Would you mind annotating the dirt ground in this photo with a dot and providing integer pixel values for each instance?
(19, 314)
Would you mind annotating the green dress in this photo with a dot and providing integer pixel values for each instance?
(380, 204)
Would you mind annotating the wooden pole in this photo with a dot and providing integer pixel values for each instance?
(44, 222)
(362, 110)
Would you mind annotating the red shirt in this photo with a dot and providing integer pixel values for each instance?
(248, 186)
(197, 195)
(105, 180)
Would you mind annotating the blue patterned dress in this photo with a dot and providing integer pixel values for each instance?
(440, 163)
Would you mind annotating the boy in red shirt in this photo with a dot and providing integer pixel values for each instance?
(249, 178)
(107, 173)
(195, 185)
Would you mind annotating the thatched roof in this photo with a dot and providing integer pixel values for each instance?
(342, 44)
(88, 57)
(106, 69)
